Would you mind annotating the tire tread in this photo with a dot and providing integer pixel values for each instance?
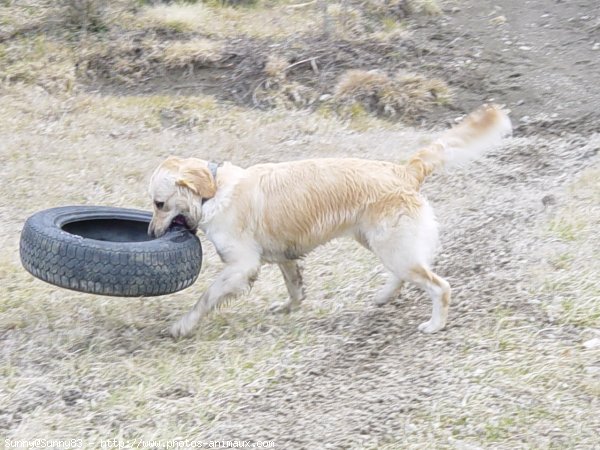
(59, 259)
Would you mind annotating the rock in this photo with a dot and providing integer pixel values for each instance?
(592, 343)
(71, 396)
(593, 370)
(548, 200)
(498, 20)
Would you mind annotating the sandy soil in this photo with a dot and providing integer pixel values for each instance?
(539, 57)
(517, 366)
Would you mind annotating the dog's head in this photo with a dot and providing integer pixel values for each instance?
(177, 188)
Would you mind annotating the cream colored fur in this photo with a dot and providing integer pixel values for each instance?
(277, 213)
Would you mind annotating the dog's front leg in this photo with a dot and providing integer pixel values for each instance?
(292, 274)
(234, 280)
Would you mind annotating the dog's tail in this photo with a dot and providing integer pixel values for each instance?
(474, 135)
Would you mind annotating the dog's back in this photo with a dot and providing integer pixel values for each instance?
(305, 203)
(294, 206)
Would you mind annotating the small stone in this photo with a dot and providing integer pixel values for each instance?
(593, 370)
(592, 343)
(548, 200)
(71, 396)
(498, 20)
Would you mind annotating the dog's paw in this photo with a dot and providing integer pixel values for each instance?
(180, 329)
(381, 300)
(282, 308)
(431, 326)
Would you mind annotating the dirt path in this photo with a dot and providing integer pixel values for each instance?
(542, 58)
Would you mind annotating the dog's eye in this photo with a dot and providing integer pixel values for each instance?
(159, 205)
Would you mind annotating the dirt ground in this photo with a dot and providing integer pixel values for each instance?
(519, 363)
(539, 57)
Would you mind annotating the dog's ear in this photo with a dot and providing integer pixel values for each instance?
(198, 179)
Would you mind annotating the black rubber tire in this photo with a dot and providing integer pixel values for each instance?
(124, 269)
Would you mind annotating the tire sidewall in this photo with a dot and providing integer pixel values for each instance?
(162, 266)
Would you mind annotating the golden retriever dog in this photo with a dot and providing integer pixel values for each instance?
(277, 213)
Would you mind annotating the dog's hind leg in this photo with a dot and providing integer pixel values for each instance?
(406, 247)
(420, 275)
(389, 291)
(234, 280)
(439, 292)
(292, 274)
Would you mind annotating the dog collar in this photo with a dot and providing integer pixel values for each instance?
(213, 167)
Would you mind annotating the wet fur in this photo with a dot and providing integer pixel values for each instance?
(277, 213)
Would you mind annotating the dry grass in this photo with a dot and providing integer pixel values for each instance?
(125, 61)
(568, 278)
(278, 92)
(131, 61)
(179, 17)
(403, 95)
(195, 51)
(37, 61)
(101, 367)
(21, 17)
(219, 22)
(275, 67)
(374, 20)
(427, 7)
(342, 20)
(573, 264)
(85, 15)
(132, 50)
(510, 372)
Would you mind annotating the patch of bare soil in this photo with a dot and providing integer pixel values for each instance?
(540, 58)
